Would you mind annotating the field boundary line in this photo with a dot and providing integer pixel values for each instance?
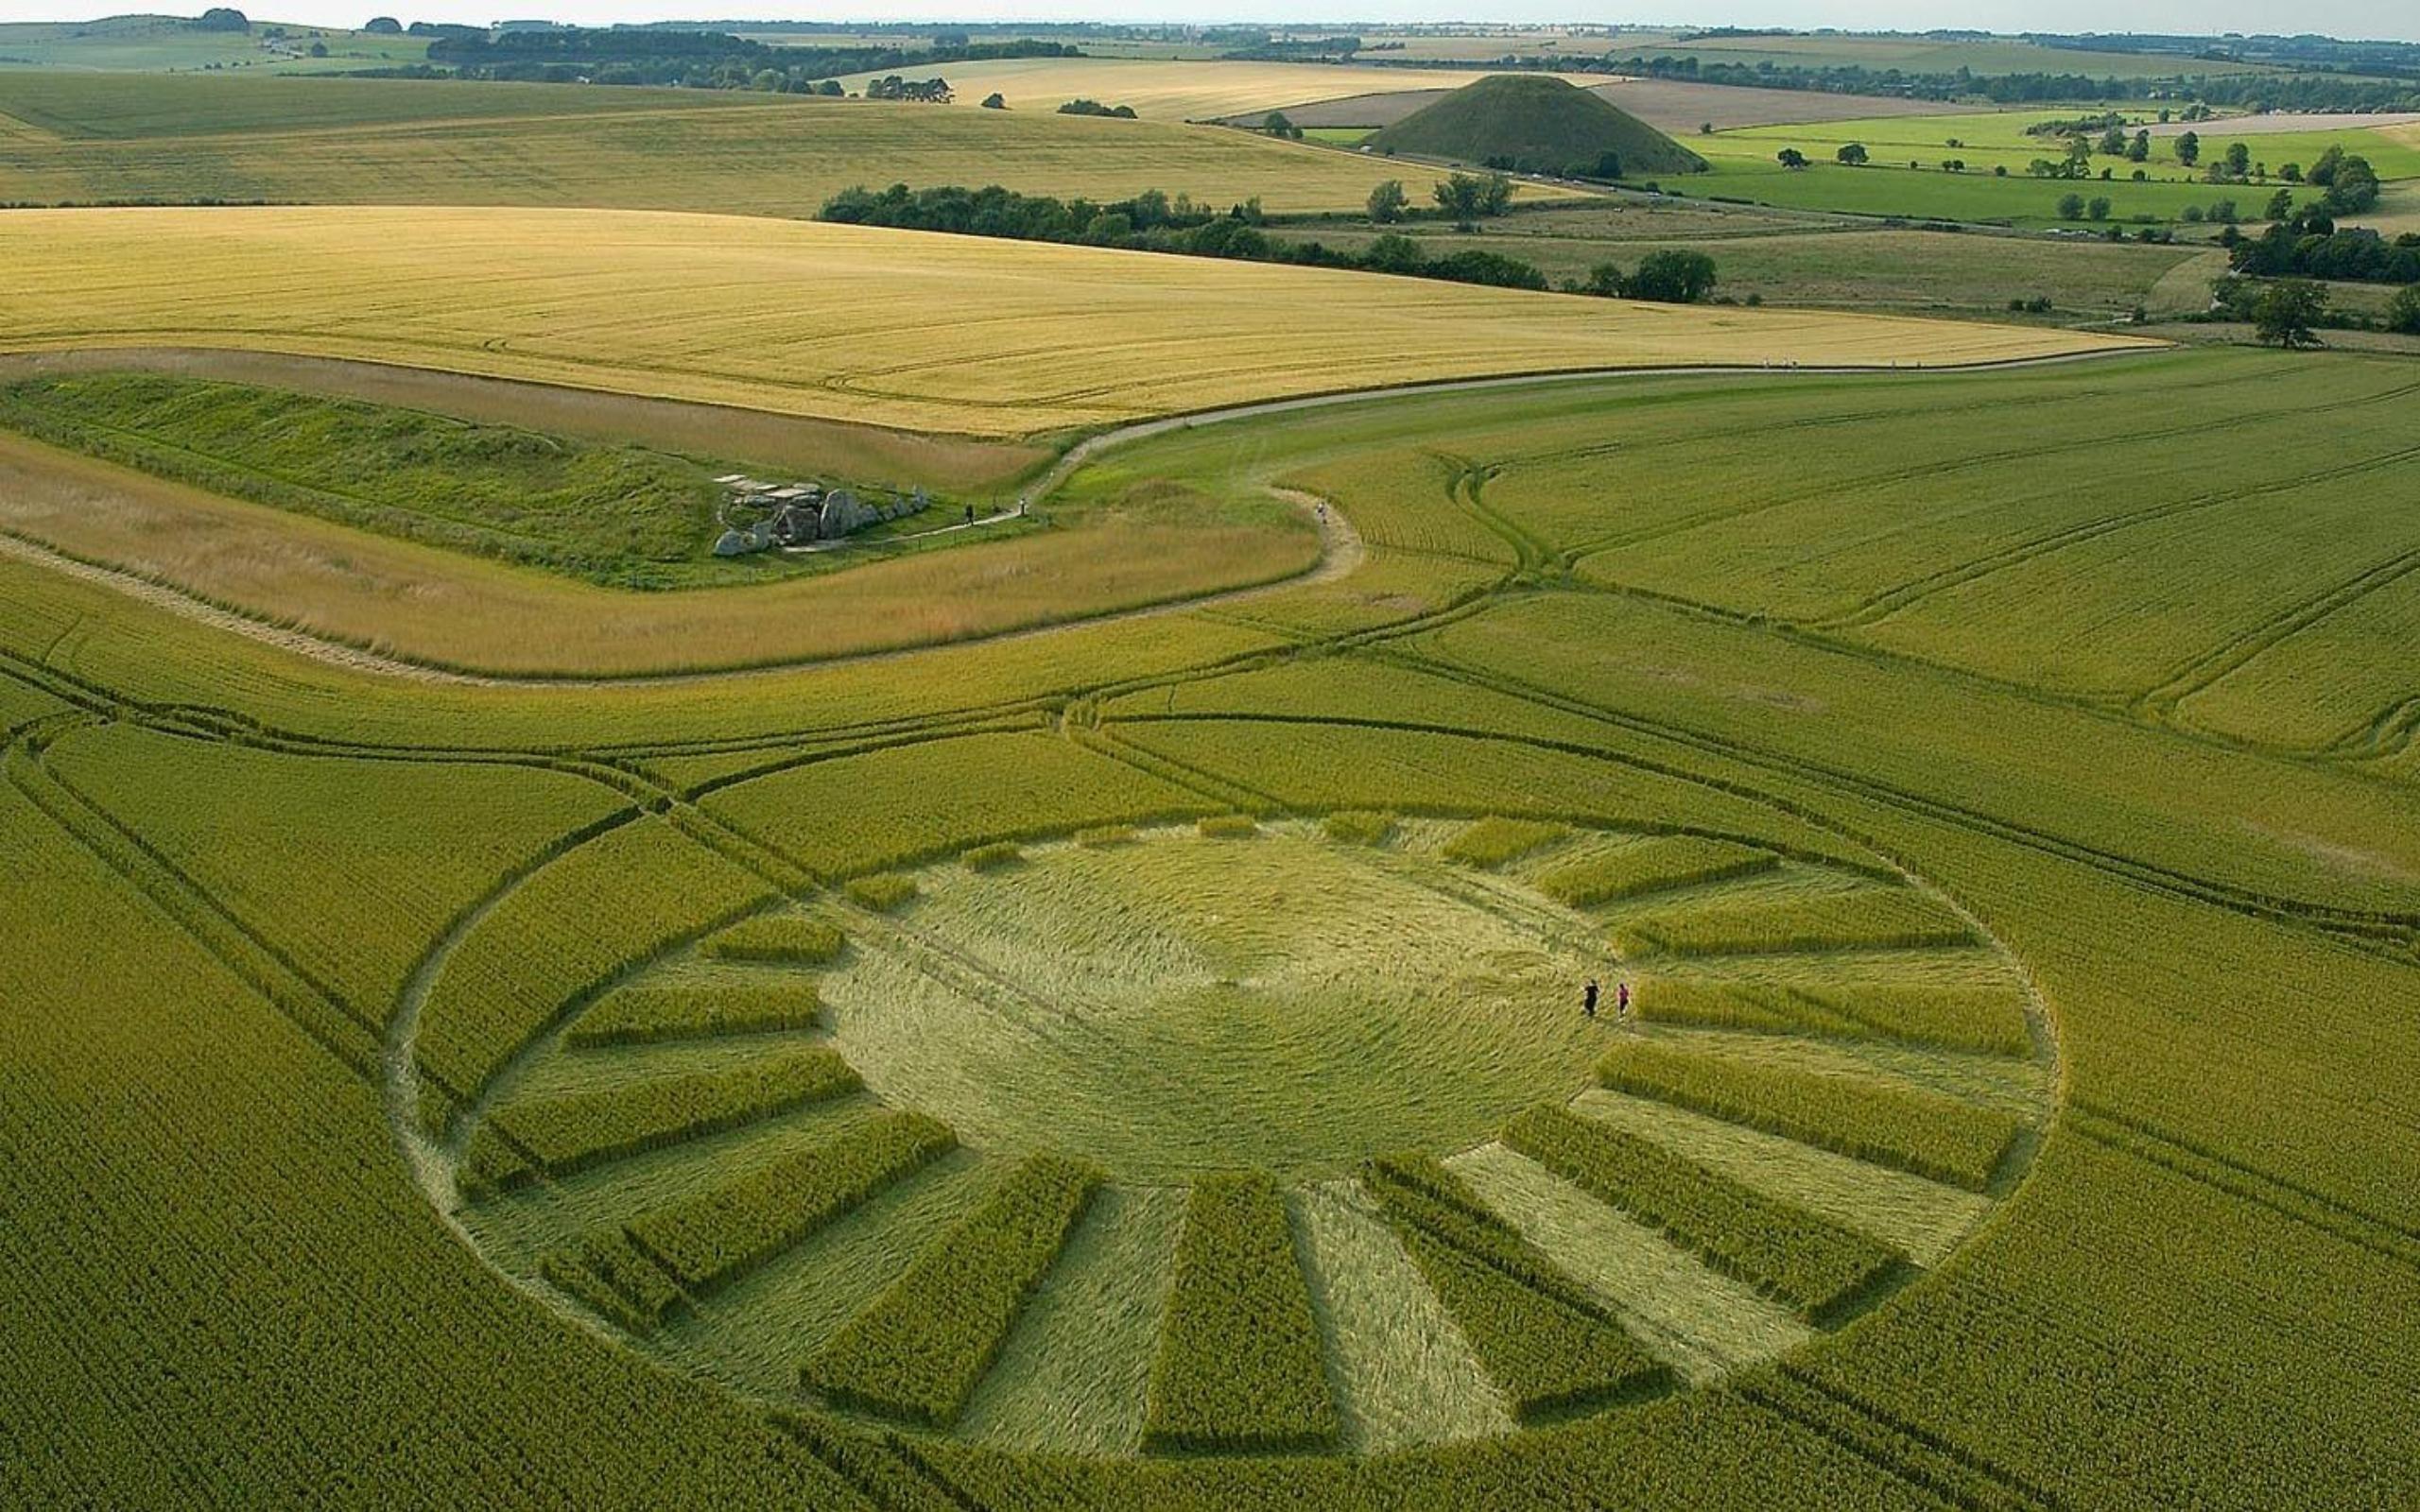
(2388, 1238)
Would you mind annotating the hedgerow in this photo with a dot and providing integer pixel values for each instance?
(1239, 1366)
(1818, 1267)
(1930, 1135)
(1493, 842)
(581, 1130)
(1869, 919)
(638, 1015)
(783, 937)
(1659, 864)
(1542, 1338)
(710, 1238)
(920, 1348)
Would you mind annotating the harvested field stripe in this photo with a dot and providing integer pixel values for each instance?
(1925, 1218)
(1550, 1346)
(1404, 1373)
(711, 1239)
(1700, 1319)
(1073, 1375)
(919, 1351)
(1240, 1365)
(1868, 1120)
(1819, 1267)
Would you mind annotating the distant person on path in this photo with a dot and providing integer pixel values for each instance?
(1621, 1002)
(970, 514)
(1588, 998)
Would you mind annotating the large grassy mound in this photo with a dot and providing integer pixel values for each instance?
(1535, 123)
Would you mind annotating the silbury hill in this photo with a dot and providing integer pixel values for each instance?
(1537, 124)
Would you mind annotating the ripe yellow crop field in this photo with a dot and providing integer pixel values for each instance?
(846, 322)
(1176, 89)
(390, 142)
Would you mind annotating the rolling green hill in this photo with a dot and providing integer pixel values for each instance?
(1536, 123)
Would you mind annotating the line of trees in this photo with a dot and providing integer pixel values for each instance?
(2311, 245)
(694, 60)
(1154, 222)
(2252, 91)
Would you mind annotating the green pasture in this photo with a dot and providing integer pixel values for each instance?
(1905, 174)
(139, 43)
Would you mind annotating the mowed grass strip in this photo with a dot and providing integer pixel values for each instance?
(714, 1237)
(834, 321)
(1898, 1127)
(1661, 865)
(1870, 918)
(1819, 1268)
(783, 939)
(1239, 1366)
(647, 1015)
(1541, 1337)
(578, 1130)
(919, 1351)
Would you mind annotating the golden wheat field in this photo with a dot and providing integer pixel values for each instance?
(1163, 88)
(378, 141)
(933, 333)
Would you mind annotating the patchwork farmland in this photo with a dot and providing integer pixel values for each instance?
(1393, 894)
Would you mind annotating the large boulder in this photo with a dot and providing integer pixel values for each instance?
(843, 511)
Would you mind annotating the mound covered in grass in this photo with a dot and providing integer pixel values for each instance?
(1535, 123)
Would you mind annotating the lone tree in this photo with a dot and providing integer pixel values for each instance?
(2286, 310)
(1790, 158)
(1467, 196)
(2239, 159)
(223, 18)
(2139, 149)
(2403, 315)
(2071, 207)
(1851, 153)
(383, 26)
(1672, 276)
(1387, 203)
(2188, 148)
(1277, 126)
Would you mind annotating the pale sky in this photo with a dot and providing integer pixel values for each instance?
(2398, 19)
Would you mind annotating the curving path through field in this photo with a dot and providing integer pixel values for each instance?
(1341, 551)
